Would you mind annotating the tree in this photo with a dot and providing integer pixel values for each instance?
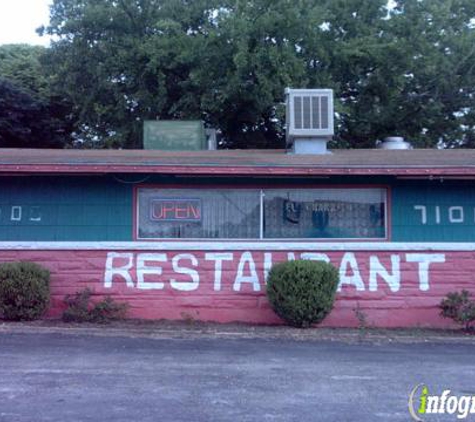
(20, 63)
(401, 71)
(30, 114)
(123, 62)
(413, 76)
(25, 121)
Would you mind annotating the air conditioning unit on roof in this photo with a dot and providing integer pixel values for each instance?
(309, 119)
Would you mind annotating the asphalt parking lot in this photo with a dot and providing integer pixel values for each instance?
(60, 377)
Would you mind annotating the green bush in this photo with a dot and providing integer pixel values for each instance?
(459, 307)
(78, 306)
(81, 308)
(24, 290)
(108, 310)
(302, 292)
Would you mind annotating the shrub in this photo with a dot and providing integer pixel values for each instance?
(302, 292)
(108, 310)
(80, 308)
(24, 290)
(459, 307)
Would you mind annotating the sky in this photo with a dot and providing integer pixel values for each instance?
(20, 18)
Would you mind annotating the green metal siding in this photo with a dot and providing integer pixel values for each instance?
(100, 208)
(68, 208)
(449, 209)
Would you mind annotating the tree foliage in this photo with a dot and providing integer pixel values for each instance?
(31, 116)
(20, 64)
(403, 71)
(26, 121)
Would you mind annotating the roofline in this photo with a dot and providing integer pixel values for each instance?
(242, 170)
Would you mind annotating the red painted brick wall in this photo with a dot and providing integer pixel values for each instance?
(392, 288)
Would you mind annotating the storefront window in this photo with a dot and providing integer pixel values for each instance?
(322, 213)
(198, 213)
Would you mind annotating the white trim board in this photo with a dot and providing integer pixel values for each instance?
(238, 246)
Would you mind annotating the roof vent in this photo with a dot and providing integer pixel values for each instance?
(309, 120)
(393, 142)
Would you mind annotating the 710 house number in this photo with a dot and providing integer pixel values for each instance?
(439, 215)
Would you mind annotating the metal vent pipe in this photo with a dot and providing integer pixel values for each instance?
(393, 142)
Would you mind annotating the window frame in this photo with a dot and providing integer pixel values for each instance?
(261, 188)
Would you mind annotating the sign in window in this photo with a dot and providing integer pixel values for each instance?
(325, 213)
(176, 210)
(319, 213)
(198, 213)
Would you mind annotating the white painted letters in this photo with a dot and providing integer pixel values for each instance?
(376, 268)
(423, 210)
(312, 256)
(123, 271)
(35, 214)
(218, 259)
(16, 213)
(362, 273)
(185, 286)
(444, 214)
(267, 265)
(424, 261)
(349, 260)
(143, 269)
(437, 214)
(456, 215)
(246, 258)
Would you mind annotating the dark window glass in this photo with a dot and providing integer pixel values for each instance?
(198, 213)
(324, 213)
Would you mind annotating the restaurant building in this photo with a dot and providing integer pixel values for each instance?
(193, 234)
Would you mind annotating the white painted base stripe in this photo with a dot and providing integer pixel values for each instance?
(239, 246)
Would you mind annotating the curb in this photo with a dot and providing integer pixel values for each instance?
(203, 331)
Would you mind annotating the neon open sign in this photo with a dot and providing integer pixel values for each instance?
(176, 209)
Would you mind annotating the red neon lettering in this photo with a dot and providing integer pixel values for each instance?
(159, 215)
(168, 209)
(196, 212)
(181, 212)
(164, 209)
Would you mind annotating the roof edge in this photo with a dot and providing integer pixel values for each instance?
(242, 170)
